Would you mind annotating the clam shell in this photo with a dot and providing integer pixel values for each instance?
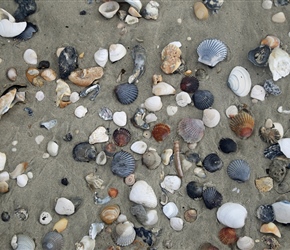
(189, 84)
(101, 57)
(246, 242)
(4, 188)
(10, 28)
(151, 10)
(99, 135)
(282, 211)
(231, 111)
(64, 206)
(139, 147)
(200, 11)
(171, 183)
(212, 162)
(152, 218)
(183, 99)
(117, 52)
(211, 117)
(260, 55)
(163, 88)
(211, 52)
(2, 160)
(126, 93)
(190, 215)
(86, 77)
(123, 234)
(239, 170)
(284, 144)
(239, 81)
(153, 103)
(228, 236)
(52, 241)
(109, 9)
(48, 75)
(242, 124)
(24, 242)
(203, 99)
(84, 152)
(151, 159)
(30, 57)
(11, 74)
(212, 198)
(279, 17)
(176, 223)
(170, 210)
(160, 132)
(258, 92)
(52, 148)
(121, 137)
(110, 213)
(120, 118)
(123, 164)
(191, 130)
(227, 145)
(22, 180)
(265, 213)
(61, 225)
(194, 190)
(67, 61)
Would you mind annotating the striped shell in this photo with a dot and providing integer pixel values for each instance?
(123, 234)
(110, 213)
(121, 137)
(269, 135)
(123, 164)
(191, 130)
(211, 52)
(212, 163)
(239, 81)
(242, 124)
(239, 170)
(52, 241)
(126, 93)
(203, 99)
(212, 198)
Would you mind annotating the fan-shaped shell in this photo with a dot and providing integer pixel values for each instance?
(260, 55)
(194, 189)
(189, 84)
(126, 93)
(121, 137)
(160, 132)
(239, 170)
(239, 81)
(170, 210)
(242, 124)
(191, 130)
(212, 198)
(227, 145)
(110, 213)
(123, 234)
(228, 236)
(211, 52)
(203, 99)
(245, 243)
(211, 117)
(52, 241)
(212, 162)
(123, 164)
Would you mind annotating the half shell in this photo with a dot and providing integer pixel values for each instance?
(260, 55)
(212, 198)
(242, 124)
(101, 57)
(212, 162)
(117, 52)
(211, 117)
(191, 130)
(160, 132)
(110, 213)
(123, 164)
(109, 9)
(239, 170)
(85, 77)
(123, 234)
(239, 81)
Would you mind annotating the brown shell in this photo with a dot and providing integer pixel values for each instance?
(228, 236)
(271, 41)
(110, 213)
(113, 192)
(4, 188)
(200, 11)
(170, 56)
(85, 77)
(264, 184)
(160, 132)
(242, 124)
(110, 149)
(269, 135)
(191, 130)
(190, 215)
(121, 137)
(31, 73)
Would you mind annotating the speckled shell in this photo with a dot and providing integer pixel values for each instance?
(239, 81)
(242, 124)
(110, 213)
(126, 93)
(203, 99)
(260, 55)
(271, 87)
(211, 52)
(212, 198)
(213, 5)
(212, 163)
(170, 56)
(239, 170)
(52, 241)
(265, 213)
(121, 137)
(123, 234)
(191, 130)
(123, 164)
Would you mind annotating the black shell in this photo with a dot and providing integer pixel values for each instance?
(84, 152)
(43, 64)
(213, 5)
(194, 190)
(227, 145)
(28, 32)
(212, 198)
(52, 241)
(5, 216)
(273, 151)
(189, 84)
(25, 8)
(202, 99)
(123, 164)
(260, 55)
(265, 213)
(239, 170)
(193, 157)
(271, 87)
(67, 62)
(212, 163)
(126, 93)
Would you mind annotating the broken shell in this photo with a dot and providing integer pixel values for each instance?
(85, 77)
(52, 148)
(31, 74)
(151, 10)
(139, 147)
(156, 79)
(153, 103)
(151, 159)
(269, 135)
(200, 11)
(63, 93)
(270, 228)
(279, 63)
(170, 56)
(113, 192)
(61, 225)
(163, 88)
(20, 169)
(131, 20)
(94, 182)
(30, 56)
(95, 228)
(11, 74)
(258, 92)
(2, 160)
(86, 243)
(109, 9)
(10, 28)
(4, 188)
(45, 218)
(22, 180)
(74, 97)
(133, 12)
(48, 75)
(279, 17)
(264, 184)
(152, 218)
(80, 111)
(120, 118)
(117, 52)
(183, 99)
(271, 41)
(101, 158)
(171, 110)
(22, 241)
(110, 213)
(171, 183)
(99, 135)
(211, 117)
(101, 57)
(166, 156)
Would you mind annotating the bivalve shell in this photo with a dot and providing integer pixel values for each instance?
(11, 74)
(211, 117)
(9, 28)
(123, 234)
(279, 17)
(23, 242)
(246, 242)
(80, 111)
(271, 41)
(101, 57)
(126, 93)
(171, 183)
(258, 92)
(163, 88)
(109, 9)
(284, 144)
(170, 210)
(200, 11)
(270, 228)
(203, 99)
(86, 77)
(212, 198)
(117, 52)
(99, 135)
(260, 55)
(22, 180)
(123, 164)
(52, 148)
(160, 132)
(120, 118)
(110, 213)
(52, 240)
(121, 137)
(153, 103)
(239, 81)
(190, 215)
(48, 75)
(242, 124)
(183, 99)
(176, 223)
(264, 184)
(279, 63)
(265, 213)
(227, 145)
(212, 162)
(267, 4)
(282, 211)
(194, 190)
(228, 236)
(191, 130)
(152, 218)
(64, 206)
(139, 147)
(2, 160)
(30, 57)
(239, 170)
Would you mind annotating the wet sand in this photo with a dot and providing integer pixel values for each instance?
(239, 24)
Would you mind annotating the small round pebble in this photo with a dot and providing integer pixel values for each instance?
(45, 155)
(5, 216)
(179, 20)
(30, 175)
(83, 12)
(14, 143)
(64, 181)
(39, 95)
(14, 149)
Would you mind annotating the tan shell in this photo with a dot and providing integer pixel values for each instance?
(94, 182)
(63, 93)
(61, 225)
(37, 81)
(6, 101)
(110, 213)
(156, 79)
(31, 73)
(270, 228)
(170, 56)
(48, 75)
(133, 12)
(151, 159)
(200, 11)
(190, 215)
(264, 184)
(4, 188)
(20, 169)
(271, 41)
(85, 77)
(130, 180)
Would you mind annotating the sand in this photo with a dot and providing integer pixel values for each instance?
(239, 24)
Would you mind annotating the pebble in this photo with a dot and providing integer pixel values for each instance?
(267, 4)
(14, 143)
(52, 148)
(30, 175)
(14, 149)
(45, 155)
(179, 20)
(39, 95)
(39, 139)
(279, 17)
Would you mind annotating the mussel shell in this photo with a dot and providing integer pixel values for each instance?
(212, 163)
(202, 99)
(239, 170)
(126, 93)
(212, 198)
(84, 152)
(194, 190)
(52, 241)
(265, 213)
(191, 130)
(24, 9)
(160, 132)
(260, 55)
(123, 164)
(227, 145)
(67, 61)
(28, 32)
(273, 151)
(189, 84)
(121, 137)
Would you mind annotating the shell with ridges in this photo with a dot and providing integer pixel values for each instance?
(52, 240)
(23, 242)
(203, 99)
(121, 137)
(191, 130)
(160, 131)
(228, 236)
(212, 198)
(110, 213)
(239, 170)
(126, 93)
(123, 234)
(123, 164)
(239, 81)
(242, 124)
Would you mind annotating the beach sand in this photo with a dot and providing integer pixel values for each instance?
(239, 24)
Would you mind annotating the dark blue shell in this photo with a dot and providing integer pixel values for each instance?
(194, 190)
(273, 151)
(227, 145)
(202, 99)
(67, 62)
(25, 8)
(123, 164)
(265, 213)
(28, 32)
(126, 93)
(212, 198)
(239, 170)
(212, 163)
(84, 152)
(52, 241)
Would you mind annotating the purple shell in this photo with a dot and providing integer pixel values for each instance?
(191, 130)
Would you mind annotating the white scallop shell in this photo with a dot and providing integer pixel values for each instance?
(171, 183)
(152, 218)
(163, 88)
(211, 117)
(64, 206)
(284, 144)
(176, 223)
(52, 148)
(80, 111)
(232, 215)
(153, 103)
(139, 147)
(117, 52)
(258, 92)
(101, 57)
(30, 56)
(183, 99)
(120, 118)
(245, 243)
(123, 234)
(239, 81)
(2, 160)
(170, 210)
(109, 9)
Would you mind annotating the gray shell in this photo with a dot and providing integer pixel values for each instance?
(212, 198)
(126, 93)
(265, 213)
(52, 241)
(67, 62)
(212, 163)
(123, 164)
(84, 152)
(260, 55)
(272, 88)
(273, 151)
(24, 242)
(239, 170)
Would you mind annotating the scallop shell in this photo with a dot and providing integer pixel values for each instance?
(109, 9)
(227, 145)
(117, 52)
(24, 242)
(160, 132)
(189, 84)
(246, 242)
(191, 130)
(170, 210)
(86, 77)
(200, 11)
(242, 124)
(239, 81)
(123, 234)
(212, 162)
(211, 52)
(101, 57)
(269, 135)
(260, 55)
(110, 213)
(203, 99)
(151, 159)
(123, 164)
(239, 170)
(211, 117)
(212, 198)
(258, 92)
(52, 241)
(126, 93)
(121, 137)
(265, 213)
(228, 236)
(194, 190)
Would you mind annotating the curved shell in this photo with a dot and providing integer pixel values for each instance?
(171, 183)
(265, 213)
(30, 56)
(284, 144)
(176, 223)
(153, 103)
(160, 132)
(123, 234)
(126, 93)
(11, 29)
(269, 135)
(170, 210)
(191, 130)
(228, 236)
(189, 84)
(245, 243)
(211, 117)
(200, 11)
(227, 145)
(212, 162)
(101, 57)
(271, 41)
(84, 152)
(282, 211)
(110, 213)
(203, 99)
(123, 164)
(194, 190)
(121, 137)
(109, 9)
(260, 55)
(239, 170)
(212, 198)
(24, 242)
(239, 81)
(86, 77)
(151, 159)
(170, 56)
(211, 52)
(242, 124)
(163, 88)
(190, 215)
(258, 92)
(52, 241)
(117, 52)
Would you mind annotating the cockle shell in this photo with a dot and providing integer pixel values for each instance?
(239, 170)
(101, 57)
(160, 131)
(279, 63)
(117, 52)
(110, 213)
(171, 183)
(211, 117)
(123, 234)
(121, 137)
(52, 240)
(242, 124)
(202, 99)
(211, 197)
(239, 81)
(200, 11)
(153, 103)
(245, 243)
(163, 88)
(258, 92)
(123, 164)
(228, 236)
(22, 241)
(109, 9)
(99, 135)
(30, 56)
(170, 210)
(85, 77)
(2, 160)
(63, 93)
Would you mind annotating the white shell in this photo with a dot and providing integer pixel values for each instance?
(52, 148)
(163, 88)
(170, 210)
(22, 180)
(101, 57)
(153, 103)
(122, 218)
(4, 176)
(30, 56)
(239, 81)
(176, 223)
(171, 110)
(245, 243)
(11, 29)
(38, 139)
(48, 75)
(12, 74)
(74, 97)
(123, 234)
(151, 117)
(166, 155)
(232, 215)
(279, 127)
(279, 63)
(211, 117)
(152, 218)
(139, 147)
(120, 118)
(6, 15)
(30, 175)
(80, 111)
(99, 135)
(86, 243)
(171, 183)
(135, 3)
(183, 99)
(109, 9)
(279, 17)
(22, 242)
(282, 211)
(142, 193)
(152, 10)
(64, 206)
(232, 111)
(39, 95)
(101, 158)
(198, 171)
(284, 144)
(131, 19)
(267, 4)
(45, 218)
(116, 52)
(258, 92)
(2, 160)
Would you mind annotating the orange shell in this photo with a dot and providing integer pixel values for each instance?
(85, 77)
(31, 73)
(271, 41)
(110, 213)
(242, 124)
(113, 192)
(200, 11)
(160, 131)
(228, 236)
(170, 56)
(270, 228)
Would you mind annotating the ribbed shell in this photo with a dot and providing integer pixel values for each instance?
(211, 52)
(25, 242)
(123, 164)
(265, 213)
(203, 99)
(212, 163)
(84, 152)
(194, 190)
(239, 81)
(227, 145)
(160, 132)
(189, 84)
(242, 124)
(260, 55)
(191, 130)
(67, 62)
(121, 137)
(110, 213)
(52, 241)
(126, 93)
(123, 234)
(212, 198)
(239, 170)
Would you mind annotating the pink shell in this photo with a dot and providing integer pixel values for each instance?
(191, 130)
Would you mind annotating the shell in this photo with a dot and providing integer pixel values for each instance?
(123, 164)
(142, 193)
(22, 180)
(61, 225)
(133, 12)
(171, 110)
(200, 11)
(45, 218)
(267, 4)
(151, 10)
(270, 228)
(139, 147)
(239, 170)
(94, 182)
(30, 57)
(170, 210)
(271, 41)
(106, 114)
(4, 188)
(160, 132)
(6, 101)
(86, 77)
(265, 213)
(11, 74)
(163, 88)
(242, 124)
(135, 3)
(113, 192)
(21, 214)
(189, 84)
(176, 223)
(260, 55)
(277, 170)
(166, 156)
(110, 213)
(2, 160)
(171, 183)
(101, 158)
(279, 17)
(245, 243)
(19, 169)
(212, 198)
(211, 117)
(279, 63)
(39, 95)
(203, 99)
(64, 206)
(151, 159)
(183, 99)
(211, 52)
(4, 176)
(86, 243)
(126, 93)
(121, 137)
(48, 75)
(190, 215)
(227, 145)
(52, 148)
(213, 5)
(170, 56)
(101, 57)
(151, 117)
(282, 211)
(212, 163)
(284, 144)
(232, 215)
(153, 103)
(63, 93)
(52, 240)
(207, 246)
(131, 19)
(99, 135)
(110, 149)
(117, 52)
(130, 180)
(24, 242)
(10, 28)
(123, 234)
(258, 92)
(264, 184)
(239, 81)
(269, 135)
(120, 118)
(31, 74)
(231, 111)
(228, 236)
(67, 61)
(84, 152)
(109, 9)
(152, 218)
(139, 212)
(194, 190)
(191, 130)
